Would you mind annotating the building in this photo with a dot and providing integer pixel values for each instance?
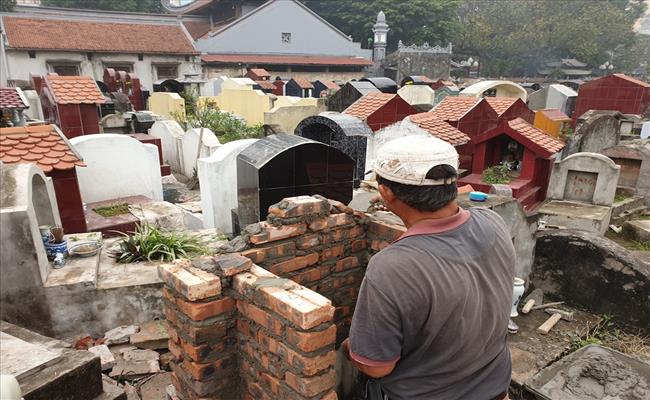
(41, 40)
(431, 61)
(615, 92)
(299, 87)
(235, 35)
(565, 68)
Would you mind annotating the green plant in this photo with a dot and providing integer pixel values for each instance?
(148, 243)
(597, 335)
(112, 210)
(620, 197)
(641, 246)
(497, 174)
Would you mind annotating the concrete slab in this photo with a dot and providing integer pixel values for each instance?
(156, 387)
(165, 215)
(105, 356)
(136, 363)
(122, 223)
(21, 359)
(638, 230)
(120, 334)
(644, 256)
(152, 335)
(112, 274)
(575, 215)
(532, 351)
(77, 270)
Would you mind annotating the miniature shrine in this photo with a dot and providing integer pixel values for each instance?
(554, 122)
(299, 87)
(509, 108)
(324, 87)
(258, 74)
(12, 104)
(614, 92)
(348, 94)
(126, 83)
(379, 110)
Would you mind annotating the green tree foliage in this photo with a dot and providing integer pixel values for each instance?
(412, 21)
(147, 6)
(514, 37)
(7, 5)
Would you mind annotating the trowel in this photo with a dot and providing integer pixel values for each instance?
(535, 297)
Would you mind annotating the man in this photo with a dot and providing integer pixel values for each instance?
(432, 314)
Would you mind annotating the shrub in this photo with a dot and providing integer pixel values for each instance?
(148, 243)
(497, 174)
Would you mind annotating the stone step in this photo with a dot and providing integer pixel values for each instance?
(76, 375)
(628, 215)
(637, 230)
(627, 204)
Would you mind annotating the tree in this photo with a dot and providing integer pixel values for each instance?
(7, 5)
(413, 21)
(146, 6)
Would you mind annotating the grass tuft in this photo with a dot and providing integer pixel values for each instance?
(112, 210)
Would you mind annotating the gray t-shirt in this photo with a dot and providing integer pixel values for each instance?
(440, 304)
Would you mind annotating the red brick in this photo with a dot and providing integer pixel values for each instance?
(294, 264)
(339, 207)
(272, 233)
(260, 317)
(386, 231)
(199, 311)
(299, 206)
(312, 274)
(198, 334)
(311, 341)
(332, 252)
(346, 263)
(202, 353)
(330, 396)
(232, 264)
(307, 241)
(378, 245)
(261, 254)
(331, 222)
(190, 282)
(359, 245)
(202, 372)
(311, 386)
(271, 381)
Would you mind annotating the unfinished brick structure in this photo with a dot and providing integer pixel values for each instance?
(264, 323)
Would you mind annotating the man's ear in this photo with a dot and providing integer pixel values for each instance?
(386, 193)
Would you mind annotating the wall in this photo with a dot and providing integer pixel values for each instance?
(192, 151)
(285, 119)
(20, 65)
(401, 64)
(215, 71)
(310, 35)
(422, 97)
(117, 166)
(170, 134)
(248, 104)
(166, 104)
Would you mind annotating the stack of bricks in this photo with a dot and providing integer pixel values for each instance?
(381, 233)
(238, 331)
(318, 243)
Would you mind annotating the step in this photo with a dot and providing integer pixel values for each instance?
(628, 215)
(627, 204)
(76, 375)
(529, 198)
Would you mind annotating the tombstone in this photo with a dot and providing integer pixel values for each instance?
(170, 134)
(166, 104)
(341, 131)
(595, 131)
(348, 94)
(383, 84)
(218, 185)
(192, 150)
(280, 166)
(285, 118)
(117, 166)
(420, 97)
(633, 156)
(581, 192)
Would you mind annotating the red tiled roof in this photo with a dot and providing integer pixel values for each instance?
(368, 104)
(42, 145)
(197, 29)
(58, 34)
(439, 128)
(537, 136)
(10, 99)
(501, 104)
(555, 115)
(329, 84)
(633, 80)
(260, 72)
(452, 108)
(265, 84)
(282, 60)
(74, 89)
(303, 83)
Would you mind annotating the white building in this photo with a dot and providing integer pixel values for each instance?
(84, 42)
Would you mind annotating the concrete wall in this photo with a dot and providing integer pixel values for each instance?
(248, 104)
(215, 71)
(422, 97)
(117, 166)
(166, 104)
(309, 34)
(20, 65)
(218, 183)
(170, 134)
(285, 119)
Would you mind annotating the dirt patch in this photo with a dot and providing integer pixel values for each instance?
(598, 374)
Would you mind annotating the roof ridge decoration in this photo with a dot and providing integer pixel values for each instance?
(424, 48)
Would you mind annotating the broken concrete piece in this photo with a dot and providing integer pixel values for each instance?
(121, 334)
(135, 368)
(106, 357)
(152, 335)
(156, 387)
(117, 350)
(615, 228)
(131, 392)
(171, 393)
(140, 355)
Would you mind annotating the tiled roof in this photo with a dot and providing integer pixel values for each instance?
(282, 60)
(260, 72)
(266, 84)
(11, 99)
(329, 84)
(633, 80)
(368, 104)
(303, 83)
(42, 145)
(74, 89)
(537, 136)
(197, 29)
(82, 36)
(452, 108)
(501, 104)
(555, 114)
(439, 128)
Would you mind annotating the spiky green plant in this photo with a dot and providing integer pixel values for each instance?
(149, 243)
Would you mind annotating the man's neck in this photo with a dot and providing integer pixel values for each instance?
(411, 216)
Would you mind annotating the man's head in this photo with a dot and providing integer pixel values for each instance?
(417, 174)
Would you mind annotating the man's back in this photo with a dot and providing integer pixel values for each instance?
(440, 303)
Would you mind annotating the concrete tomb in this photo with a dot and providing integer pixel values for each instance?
(581, 191)
(117, 166)
(420, 97)
(348, 94)
(341, 131)
(166, 104)
(280, 166)
(197, 143)
(170, 134)
(633, 157)
(218, 184)
(595, 131)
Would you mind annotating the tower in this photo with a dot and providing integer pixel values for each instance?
(380, 29)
